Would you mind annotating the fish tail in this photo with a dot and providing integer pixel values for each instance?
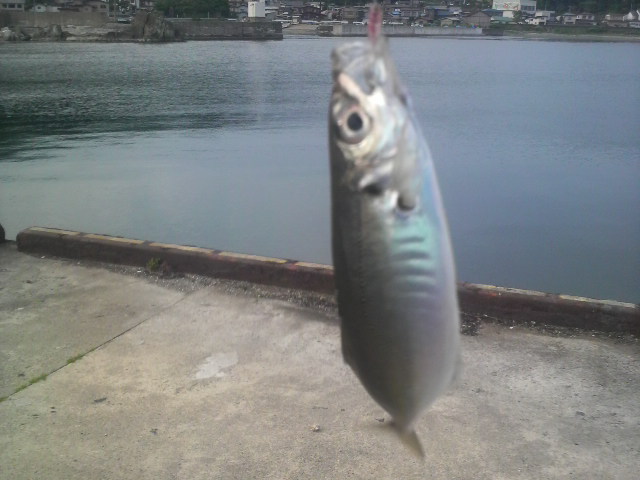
(410, 439)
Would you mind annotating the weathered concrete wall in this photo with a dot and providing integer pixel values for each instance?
(44, 19)
(214, 29)
(349, 30)
(147, 26)
(153, 26)
(479, 302)
(86, 27)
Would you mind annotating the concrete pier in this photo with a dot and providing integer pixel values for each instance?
(509, 305)
(112, 372)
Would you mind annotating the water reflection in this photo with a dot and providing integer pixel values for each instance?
(224, 145)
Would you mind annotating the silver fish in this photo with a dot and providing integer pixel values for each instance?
(394, 267)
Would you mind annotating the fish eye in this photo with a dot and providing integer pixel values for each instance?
(353, 125)
(354, 122)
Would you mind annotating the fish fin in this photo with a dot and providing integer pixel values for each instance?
(459, 368)
(346, 350)
(410, 439)
(375, 22)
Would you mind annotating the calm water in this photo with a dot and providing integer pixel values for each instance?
(223, 144)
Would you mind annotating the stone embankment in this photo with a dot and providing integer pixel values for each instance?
(215, 29)
(351, 30)
(85, 27)
(152, 26)
(145, 27)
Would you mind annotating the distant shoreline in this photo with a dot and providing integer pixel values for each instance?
(311, 30)
(563, 37)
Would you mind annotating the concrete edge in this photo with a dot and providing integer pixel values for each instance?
(509, 305)
(179, 258)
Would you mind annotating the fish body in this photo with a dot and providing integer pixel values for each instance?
(394, 267)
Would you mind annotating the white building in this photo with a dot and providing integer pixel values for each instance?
(586, 19)
(509, 7)
(568, 18)
(256, 11)
(541, 17)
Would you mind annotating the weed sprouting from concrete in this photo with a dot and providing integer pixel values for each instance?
(153, 265)
(44, 376)
(75, 358)
(37, 379)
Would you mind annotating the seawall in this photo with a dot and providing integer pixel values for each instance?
(44, 19)
(478, 302)
(146, 26)
(350, 30)
(85, 27)
(214, 29)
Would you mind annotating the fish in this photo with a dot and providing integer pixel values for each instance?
(392, 255)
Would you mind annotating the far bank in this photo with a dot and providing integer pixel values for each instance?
(143, 27)
(525, 32)
(154, 27)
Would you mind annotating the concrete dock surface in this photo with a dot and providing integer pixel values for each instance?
(190, 378)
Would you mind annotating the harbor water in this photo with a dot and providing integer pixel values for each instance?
(224, 145)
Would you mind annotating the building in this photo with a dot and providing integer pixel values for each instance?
(544, 17)
(568, 18)
(97, 5)
(477, 19)
(510, 7)
(310, 13)
(399, 11)
(450, 22)
(256, 11)
(586, 19)
(40, 8)
(238, 8)
(354, 14)
(614, 20)
(12, 5)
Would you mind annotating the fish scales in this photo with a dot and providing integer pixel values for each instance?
(393, 260)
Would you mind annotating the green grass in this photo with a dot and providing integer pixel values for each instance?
(42, 377)
(75, 358)
(153, 265)
(39, 378)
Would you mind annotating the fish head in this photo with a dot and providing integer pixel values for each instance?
(370, 119)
